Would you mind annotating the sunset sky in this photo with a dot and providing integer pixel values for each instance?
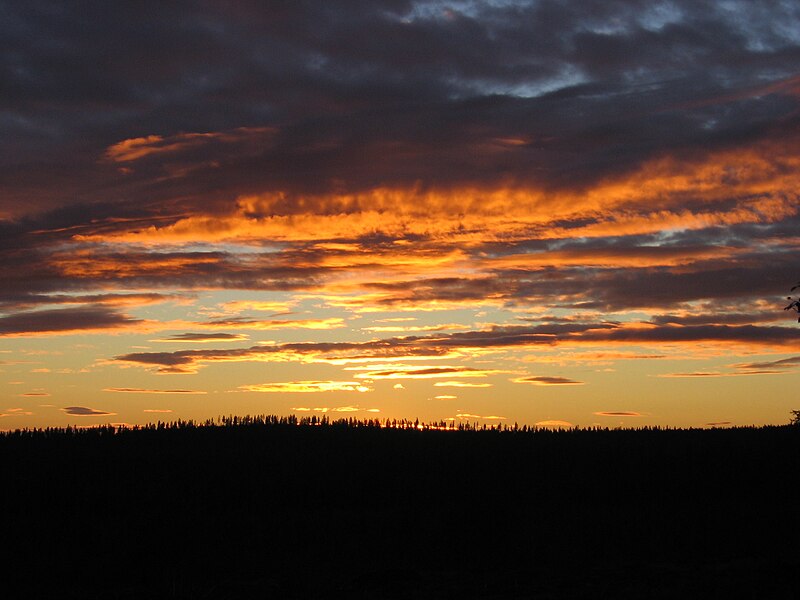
(545, 212)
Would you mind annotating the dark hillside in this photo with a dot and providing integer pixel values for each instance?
(268, 508)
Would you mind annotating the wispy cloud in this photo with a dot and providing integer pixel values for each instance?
(125, 390)
(466, 416)
(336, 409)
(453, 344)
(554, 424)
(305, 387)
(618, 414)
(65, 321)
(85, 411)
(461, 384)
(546, 380)
(203, 338)
(415, 372)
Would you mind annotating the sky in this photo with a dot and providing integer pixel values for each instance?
(555, 213)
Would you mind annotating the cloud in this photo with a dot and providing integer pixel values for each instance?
(237, 306)
(305, 387)
(618, 414)
(83, 411)
(325, 409)
(459, 343)
(157, 410)
(695, 374)
(461, 384)
(16, 412)
(135, 149)
(774, 367)
(145, 391)
(545, 380)
(414, 328)
(255, 324)
(487, 418)
(702, 374)
(204, 337)
(554, 424)
(426, 373)
(64, 321)
(783, 364)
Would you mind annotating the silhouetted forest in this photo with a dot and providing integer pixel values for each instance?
(269, 507)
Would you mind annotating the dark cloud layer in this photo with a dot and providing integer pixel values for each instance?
(85, 411)
(547, 380)
(509, 337)
(204, 337)
(378, 93)
(64, 320)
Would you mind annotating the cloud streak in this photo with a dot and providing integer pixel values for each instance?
(85, 411)
(547, 380)
(306, 387)
(146, 391)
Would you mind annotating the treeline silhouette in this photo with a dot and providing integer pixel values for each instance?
(312, 507)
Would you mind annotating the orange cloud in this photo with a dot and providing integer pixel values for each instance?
(237, 306)
(752, 185)
(305, 387)
(145, 391)
(254, 324)
(472, 416)
(414, 328)
(16, 412)
(461, 384)
(417, 372)
(618, 414)
(325, 409)
(553, 424)
(646, 256)
(134, 149)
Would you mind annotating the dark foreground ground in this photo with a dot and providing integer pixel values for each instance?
(277, 510)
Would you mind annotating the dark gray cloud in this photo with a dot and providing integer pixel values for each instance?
(497, 337)
(714, 317)
(146, 391)
(64, 320)
(547, 380)
(783, 364)
(85, 411)
(380, 93)
(204, 337)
